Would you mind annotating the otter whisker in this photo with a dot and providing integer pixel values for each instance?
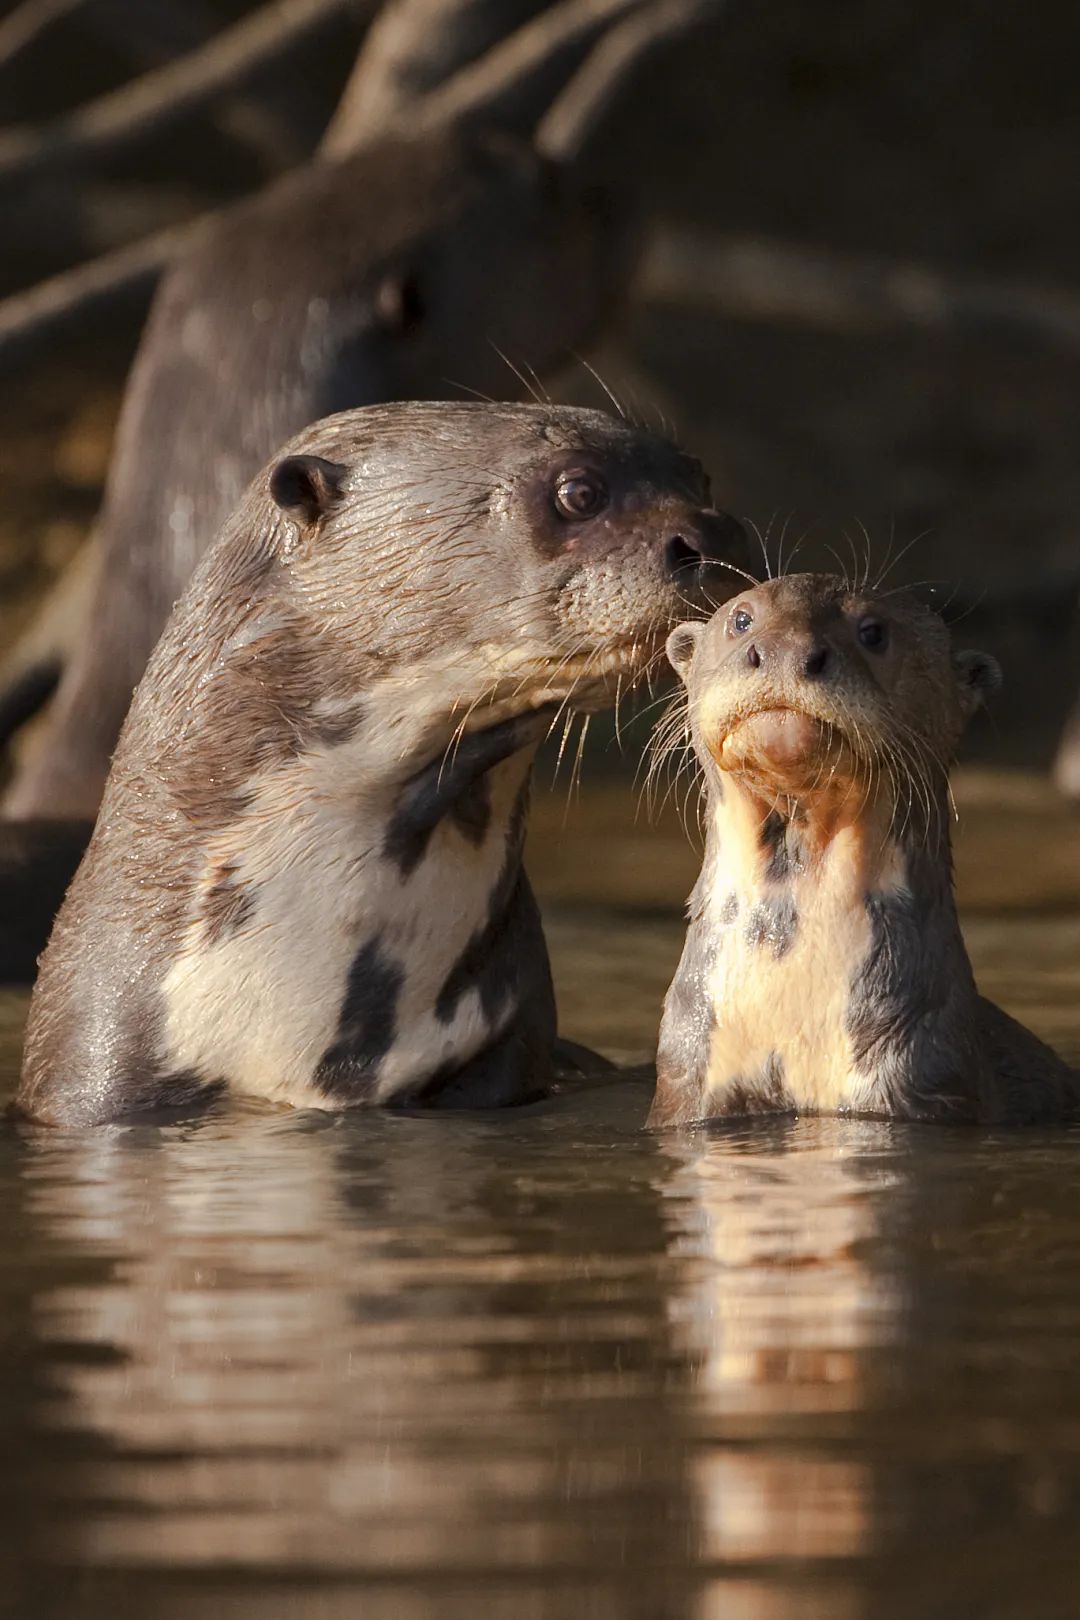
(894, 562)
(800, 542)
(595, 375)
(854, 586)
(972, 608)
(869, 554)
(452, 382)
(574, 785)
(536, 397)
(763, 543)
(780, 569)
(845, 580)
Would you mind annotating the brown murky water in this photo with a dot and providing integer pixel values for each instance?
(545, 1364)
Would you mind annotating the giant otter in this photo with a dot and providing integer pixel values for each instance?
(824, 969)
(305, 881)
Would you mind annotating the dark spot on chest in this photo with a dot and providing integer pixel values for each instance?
(783, 852)
(331, 730)
(764, 1093)
(367, 1025)
(773, 923)
(730, 909)
(471, 811)
(226, 906)
(490, 963)
(455, 787)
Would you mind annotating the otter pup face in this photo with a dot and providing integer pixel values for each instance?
(511, 555)
(804, 687)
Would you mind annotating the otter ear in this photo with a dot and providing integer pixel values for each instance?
(307, 487)
(682, 645)
(978, 676)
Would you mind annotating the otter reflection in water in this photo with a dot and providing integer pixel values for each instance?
(824, 969)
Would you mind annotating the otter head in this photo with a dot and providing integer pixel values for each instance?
(489, 561)
(485, 250)
(808, 690)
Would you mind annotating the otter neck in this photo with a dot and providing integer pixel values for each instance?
(830, 931)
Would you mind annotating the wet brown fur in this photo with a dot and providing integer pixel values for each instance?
(824, 969)
(291, 838)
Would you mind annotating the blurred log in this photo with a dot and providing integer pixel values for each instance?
(781, 283)
(28, 22)
(155, 100)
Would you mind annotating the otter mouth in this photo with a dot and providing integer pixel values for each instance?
(784, 743)
(589, 681)
(585, 683)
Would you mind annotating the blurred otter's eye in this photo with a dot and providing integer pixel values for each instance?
(399, 302)
(741, 620)
(580, 494)
(872, 634)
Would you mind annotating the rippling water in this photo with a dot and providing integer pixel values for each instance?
(545, 1364)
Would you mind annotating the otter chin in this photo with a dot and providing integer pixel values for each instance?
(787, 747)
(305, 881)
(824, 970)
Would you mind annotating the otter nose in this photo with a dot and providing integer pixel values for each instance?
(812, 660)
(816, 660)
(712, 539)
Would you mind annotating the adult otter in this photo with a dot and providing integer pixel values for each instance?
(824, 969)
(305, 880)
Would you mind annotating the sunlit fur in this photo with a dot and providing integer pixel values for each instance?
(824, 970)
(343, 647)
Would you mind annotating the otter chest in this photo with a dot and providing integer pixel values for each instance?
(785, 962)
(320, 967)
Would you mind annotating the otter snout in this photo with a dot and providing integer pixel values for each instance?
(711, 544)
(791, 657)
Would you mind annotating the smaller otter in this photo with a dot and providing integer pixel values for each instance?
(306, 879)
(824, 969)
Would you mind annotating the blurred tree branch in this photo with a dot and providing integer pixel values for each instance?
(514, 83)
(157, 99)
(413, 47)
(130, 272)
(782, 283)
(27, 22)
(610, 69)
(151, 33)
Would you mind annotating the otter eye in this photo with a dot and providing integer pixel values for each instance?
(872, 634)
(399, 302)
(741, 620)
(580, 494)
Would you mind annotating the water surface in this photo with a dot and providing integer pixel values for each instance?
(545, 1364)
